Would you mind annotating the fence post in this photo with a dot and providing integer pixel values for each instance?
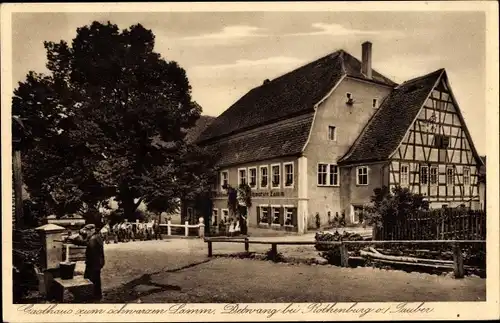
(201, 228)
(169, 228)
(344, 255)
(186, 228)
(274, 251)
(209, 248)
(458, 261)
(247, 245)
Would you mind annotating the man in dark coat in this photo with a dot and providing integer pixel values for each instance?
(94, 259)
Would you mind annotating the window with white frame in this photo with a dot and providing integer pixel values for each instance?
(275, 169)
(289, 212)
(434, 175)
(375, 103)
(332, 133)
(242, 176)
(288, 169)
(328, 175)
(264, 176)
(322, 174)
(215, 217)
(424, 175)
(252, 177)
(225, 215)
(275, 220)
(224, 179)
(405, 169)
(450, 175)
(333, 175)
(466, 176)
(263, 214)
(362, 175)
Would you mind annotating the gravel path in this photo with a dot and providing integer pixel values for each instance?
(178, 270)
(244, 280)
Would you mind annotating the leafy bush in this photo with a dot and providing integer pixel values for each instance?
(332, 252)
(27, 248)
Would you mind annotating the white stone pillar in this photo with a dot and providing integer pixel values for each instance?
(302, 205)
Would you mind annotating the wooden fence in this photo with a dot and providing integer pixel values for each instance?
(456, 245)
(442, 224)
(183, 229)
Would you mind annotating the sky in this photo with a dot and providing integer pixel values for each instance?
(226, 54)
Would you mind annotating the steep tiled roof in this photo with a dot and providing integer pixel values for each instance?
(282, 139)
(201, 124)
(386, 129)
(289, 95)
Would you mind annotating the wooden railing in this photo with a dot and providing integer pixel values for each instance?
(200, 226)
(458, 262)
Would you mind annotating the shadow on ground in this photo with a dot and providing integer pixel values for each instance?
(143, 286)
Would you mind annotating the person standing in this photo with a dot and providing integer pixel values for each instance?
(94, 259)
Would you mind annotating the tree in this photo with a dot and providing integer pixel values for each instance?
(387, 205)
(109, 120)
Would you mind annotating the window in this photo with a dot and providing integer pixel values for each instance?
(322, 174)
(332, 133)
(225, 215)
(328, 175)
(264, 215)
(264, 174)
(375, 103)
(450, 176)
(441, 141)
(334, 175)
(404, 174)
(252, 174)
(288, 174)
(276, 175)
(276, 215)
(215, 217)
(289, 214)
(242, 176)
(434, 175)
(424, 175)
(466, 175)
(224, 179)
(362, 175)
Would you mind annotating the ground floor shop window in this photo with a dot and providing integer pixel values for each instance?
(290, 216)
(215, 217)
(276, 216)
(263, 213)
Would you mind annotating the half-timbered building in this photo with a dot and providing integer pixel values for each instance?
(315, 142)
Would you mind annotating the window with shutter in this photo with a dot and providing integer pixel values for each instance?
(290, 213)
(263, 215)
(275, 215)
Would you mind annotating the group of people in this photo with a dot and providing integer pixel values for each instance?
(126, 231)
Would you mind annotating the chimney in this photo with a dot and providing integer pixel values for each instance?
(366, 64)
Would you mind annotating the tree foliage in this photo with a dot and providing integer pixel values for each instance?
(387, 204)
(108, 120)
